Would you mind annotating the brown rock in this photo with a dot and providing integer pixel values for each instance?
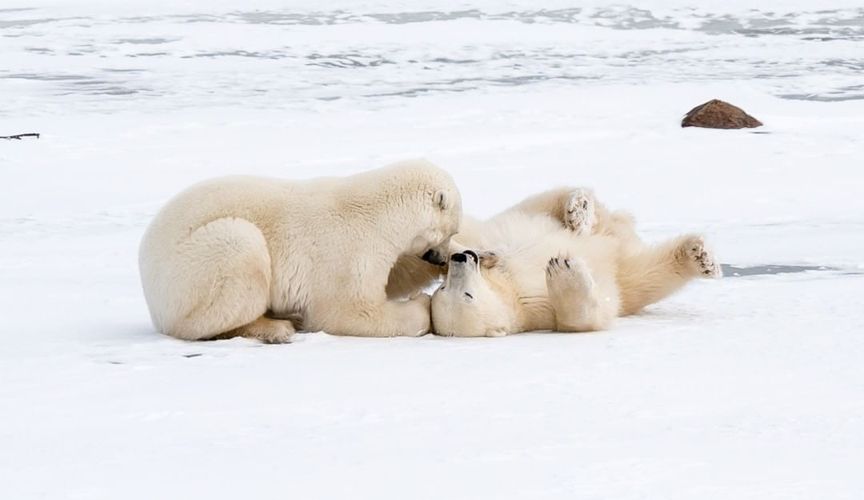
(719, 114)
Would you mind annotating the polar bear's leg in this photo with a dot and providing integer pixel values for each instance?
(267, 330)
(579, 210)
(618, 224)
(583, 214)
(382, 318)
(650, 274)
(552, 203)
(219, 285)
(410, 275)
(581, 304)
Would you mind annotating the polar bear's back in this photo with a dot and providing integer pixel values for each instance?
(250, 198)
(302, 208)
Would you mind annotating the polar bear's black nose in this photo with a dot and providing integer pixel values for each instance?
(433, 257)
(459, 257)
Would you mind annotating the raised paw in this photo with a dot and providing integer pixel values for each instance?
(699, 258)
(568, 273)
(580, 215)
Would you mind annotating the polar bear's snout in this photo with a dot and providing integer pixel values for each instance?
(464, 270)
(467, 303)
(464, 256)
(436, 253)
(433, 256)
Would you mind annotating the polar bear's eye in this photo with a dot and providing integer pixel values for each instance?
(469, 295)
(441, 200)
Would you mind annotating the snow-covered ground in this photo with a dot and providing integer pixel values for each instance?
(749, 387)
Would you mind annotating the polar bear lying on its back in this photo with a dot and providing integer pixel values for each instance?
(561, 262)
(254, 257)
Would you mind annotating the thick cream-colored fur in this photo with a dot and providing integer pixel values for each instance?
(262, 258)
(559, 261)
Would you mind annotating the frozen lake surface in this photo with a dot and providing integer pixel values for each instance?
(748, 387)
(111, 59)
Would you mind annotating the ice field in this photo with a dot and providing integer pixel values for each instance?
(747, 387)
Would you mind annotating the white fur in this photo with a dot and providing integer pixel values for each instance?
(562, 262)
(315, 254)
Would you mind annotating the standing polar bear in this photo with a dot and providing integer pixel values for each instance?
(561, 262)
(261, 258)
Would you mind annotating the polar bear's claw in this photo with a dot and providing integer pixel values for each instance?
(568, 273)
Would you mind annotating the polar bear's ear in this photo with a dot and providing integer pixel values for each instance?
(440, 200)
(488, 260)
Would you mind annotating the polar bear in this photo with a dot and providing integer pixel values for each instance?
(562, 261)
(262, 258)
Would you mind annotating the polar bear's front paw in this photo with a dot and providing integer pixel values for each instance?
(565, 275)
(268, 331)
(580, 215)
(699, 258)
(419, 322)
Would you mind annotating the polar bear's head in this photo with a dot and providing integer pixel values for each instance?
(474, 300)
(444, 215)
(423, 203)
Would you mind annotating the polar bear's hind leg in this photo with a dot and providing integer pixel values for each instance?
(219, 285)
(653, 273)
(579, 210)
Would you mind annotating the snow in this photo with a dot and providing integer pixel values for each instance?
(747, 387)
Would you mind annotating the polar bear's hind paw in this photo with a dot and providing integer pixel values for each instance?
(701, 258)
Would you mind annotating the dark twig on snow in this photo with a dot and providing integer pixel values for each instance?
(18, 137)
